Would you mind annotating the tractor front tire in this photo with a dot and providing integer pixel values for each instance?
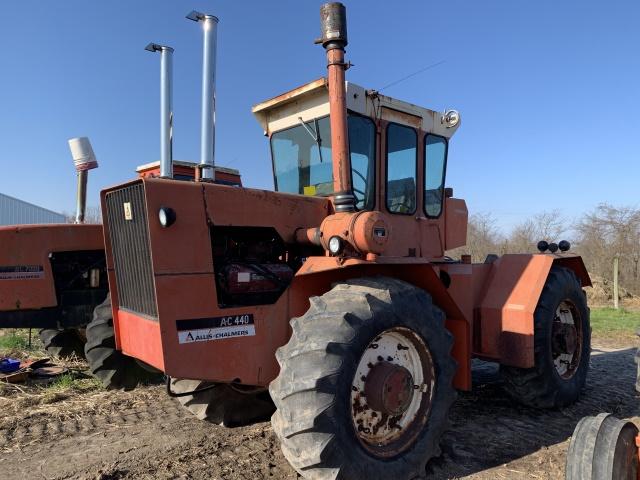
(113, 368)
(62, 343)
(224, 404)
(603, 448)
(562, 346)
(365, 384)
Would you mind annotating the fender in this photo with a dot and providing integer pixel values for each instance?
(319, 273)
(503, 327)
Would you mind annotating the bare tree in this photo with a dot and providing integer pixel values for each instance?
(524, 237)
(483, 238)
(607, 232)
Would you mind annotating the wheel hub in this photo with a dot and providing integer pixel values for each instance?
(389, 388)
(392, 391)
(566, 339)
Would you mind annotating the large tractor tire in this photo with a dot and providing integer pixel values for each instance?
(365, 384)
(62, 343)
(562, 345)
(223, 404)
(113, 368)
(603, 448)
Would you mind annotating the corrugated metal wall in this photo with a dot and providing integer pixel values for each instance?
(17, 212)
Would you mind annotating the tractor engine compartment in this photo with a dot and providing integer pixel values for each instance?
(253, 266)
(80, 282)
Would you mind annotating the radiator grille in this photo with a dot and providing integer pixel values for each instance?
(129, 235)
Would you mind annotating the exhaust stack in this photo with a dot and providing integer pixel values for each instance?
(333, 28)
(84, 160)
(166, 108)
(208, 126)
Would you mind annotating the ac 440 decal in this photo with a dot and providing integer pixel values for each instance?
(215, 328)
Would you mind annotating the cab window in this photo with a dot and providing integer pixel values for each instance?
(302, 159)
(435, 160)
(401, 169)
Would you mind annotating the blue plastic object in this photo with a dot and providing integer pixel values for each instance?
(8, 365)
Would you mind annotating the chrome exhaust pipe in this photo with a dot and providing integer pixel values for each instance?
(166, 108)
(208, 115)
(84, 160)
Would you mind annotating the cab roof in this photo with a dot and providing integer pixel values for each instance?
(311, 100)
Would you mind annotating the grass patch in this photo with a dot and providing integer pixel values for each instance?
(66, 386)
(14, 340)
(609, 322)
(71, 381)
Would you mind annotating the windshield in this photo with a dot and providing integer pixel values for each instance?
(302, 159)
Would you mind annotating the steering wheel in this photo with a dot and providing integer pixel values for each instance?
(364, 179)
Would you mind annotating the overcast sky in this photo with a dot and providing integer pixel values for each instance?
(549, 92)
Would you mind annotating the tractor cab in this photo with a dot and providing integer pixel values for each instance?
(398, 156)
(413, 144)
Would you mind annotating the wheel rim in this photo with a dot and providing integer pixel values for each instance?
(392, 392)
(566, 340)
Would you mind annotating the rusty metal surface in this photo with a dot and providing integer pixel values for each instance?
(392, 392)
(338, 115)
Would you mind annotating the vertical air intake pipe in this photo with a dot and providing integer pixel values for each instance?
(166, 108)
(84, 160)
(333, 27)
(208, 126)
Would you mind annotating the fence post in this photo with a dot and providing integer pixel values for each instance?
(616, 260)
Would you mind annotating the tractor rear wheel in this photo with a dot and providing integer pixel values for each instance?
(562, 345)
(113, 368)
(224, 404)
(603, 448)
(365, 384)
(62, 343)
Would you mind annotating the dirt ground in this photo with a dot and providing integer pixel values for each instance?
(146, 435)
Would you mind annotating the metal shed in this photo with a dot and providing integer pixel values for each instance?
(18, 212)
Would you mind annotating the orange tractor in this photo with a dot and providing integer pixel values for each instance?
(330, 302)
(53, 276)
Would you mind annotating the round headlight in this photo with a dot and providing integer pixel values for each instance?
(166, 216)
(335, 245)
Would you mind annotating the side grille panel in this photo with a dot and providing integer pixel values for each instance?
(129, 235)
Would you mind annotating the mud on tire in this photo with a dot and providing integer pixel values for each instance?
(228, 405)
(543, 386)
(114, 369)
(62, 343)
(315, 421)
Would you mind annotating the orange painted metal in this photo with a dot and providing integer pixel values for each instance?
(186, 289)
(507, 301)
(141, 339)
(30, 246)
(489, 307)
(367, 232)
(339, 132)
